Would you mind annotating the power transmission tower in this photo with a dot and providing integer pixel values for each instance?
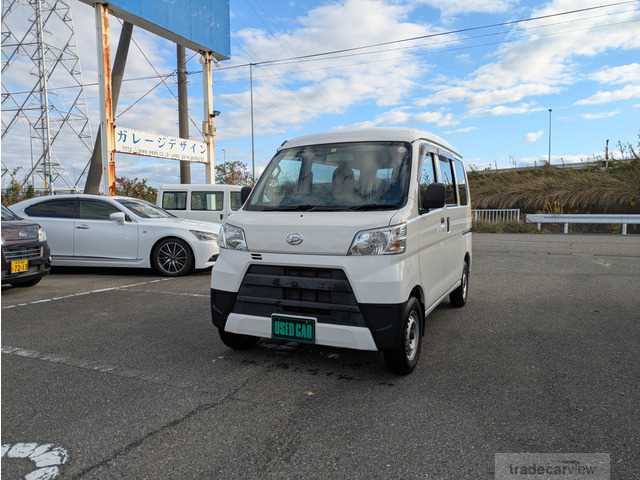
(43, 93)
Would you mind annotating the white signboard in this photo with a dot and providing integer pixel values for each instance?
(148, 144)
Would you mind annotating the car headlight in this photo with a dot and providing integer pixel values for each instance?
(232, 237)
(380, 241)
(205, 236)
(42, 236)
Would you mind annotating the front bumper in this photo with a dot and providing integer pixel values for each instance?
(38, 265)
(382, 330)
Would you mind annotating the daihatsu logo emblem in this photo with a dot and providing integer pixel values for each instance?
(295, 239)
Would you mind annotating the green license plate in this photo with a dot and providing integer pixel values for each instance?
(298, 329)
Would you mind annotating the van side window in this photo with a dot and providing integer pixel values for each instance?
(446, 179)
(236, 200)
(461, 182)
(174, 200)
(207, 200)
(427, 175)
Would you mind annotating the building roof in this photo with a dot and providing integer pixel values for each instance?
(369, 135)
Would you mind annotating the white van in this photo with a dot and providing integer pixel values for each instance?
(205, 202)
(349, 239)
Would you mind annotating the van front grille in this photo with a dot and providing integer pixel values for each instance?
(322, 293)
(20, 253)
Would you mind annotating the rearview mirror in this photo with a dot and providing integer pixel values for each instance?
(244, 194)
(117, 217)
(432, 197)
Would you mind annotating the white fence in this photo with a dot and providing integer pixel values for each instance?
(496, 215)
(589, 218)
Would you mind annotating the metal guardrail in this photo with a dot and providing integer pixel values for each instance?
(584, 218)
(496, 215)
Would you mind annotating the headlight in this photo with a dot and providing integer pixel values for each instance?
(380, 241)
(42, 236)
(205, 236)
(232, 237)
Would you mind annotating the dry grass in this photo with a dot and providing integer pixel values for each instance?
(557, 190)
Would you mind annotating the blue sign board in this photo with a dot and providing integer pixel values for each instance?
(201, 25)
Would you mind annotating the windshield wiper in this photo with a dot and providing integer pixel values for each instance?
(373, 206)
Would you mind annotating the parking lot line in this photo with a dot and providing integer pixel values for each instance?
(96, 367)
(168, 292)
(88, 292)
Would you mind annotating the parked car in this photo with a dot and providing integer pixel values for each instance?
(349, 239)
(93, 230)
(206, 202)
(25, 253)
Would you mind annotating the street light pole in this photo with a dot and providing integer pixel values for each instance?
(253, 155)
(549, 157)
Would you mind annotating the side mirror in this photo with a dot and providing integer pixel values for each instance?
(117, 217)
(432, 197)
(244, 194)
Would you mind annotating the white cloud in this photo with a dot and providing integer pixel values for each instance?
(454, 7)
(461, 130)
(533, 137)
(607, 96)
(600, 115)
(502, 110)
(539, 62)
(287, 96)
(440, 119)
(618, 75)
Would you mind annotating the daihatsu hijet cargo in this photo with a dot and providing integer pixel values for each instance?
(349, 239)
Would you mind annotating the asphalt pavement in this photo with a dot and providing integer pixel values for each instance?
(123, 372)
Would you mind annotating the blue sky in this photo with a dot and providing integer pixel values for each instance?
(486, 91)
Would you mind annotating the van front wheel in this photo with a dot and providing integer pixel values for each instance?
(237, 341)
(404, 358)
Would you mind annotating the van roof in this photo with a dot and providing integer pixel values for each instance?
(200, 187)
(370, 135)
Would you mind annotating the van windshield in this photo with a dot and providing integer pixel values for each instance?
(344, 176)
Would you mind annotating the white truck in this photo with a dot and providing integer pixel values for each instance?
(349, 239)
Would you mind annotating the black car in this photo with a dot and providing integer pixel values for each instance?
(25, 254)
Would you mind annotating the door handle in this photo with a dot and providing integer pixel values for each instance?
(82, 227)
(448, 224)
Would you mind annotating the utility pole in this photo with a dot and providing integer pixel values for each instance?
(208, 124)
(107, 127)
(606, 154)
(253, 148)
(183, 110)
(94, 175)
(549, 157)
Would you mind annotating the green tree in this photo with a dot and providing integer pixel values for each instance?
(136, 188)
(233, 172)
(15, 192)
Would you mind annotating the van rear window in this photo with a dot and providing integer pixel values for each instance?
(174, 200)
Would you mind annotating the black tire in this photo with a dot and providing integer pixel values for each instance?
(237, 341)
(459, 296)
(26, 283)
(172, 257)
(403, 359)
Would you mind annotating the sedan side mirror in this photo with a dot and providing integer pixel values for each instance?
(432, 197)
(117, 217)
(244, 194)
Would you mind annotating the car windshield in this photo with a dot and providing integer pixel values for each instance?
(8, 214)
(344, 176)
(144, 209)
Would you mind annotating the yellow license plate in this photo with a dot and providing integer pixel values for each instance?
(18, 266)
